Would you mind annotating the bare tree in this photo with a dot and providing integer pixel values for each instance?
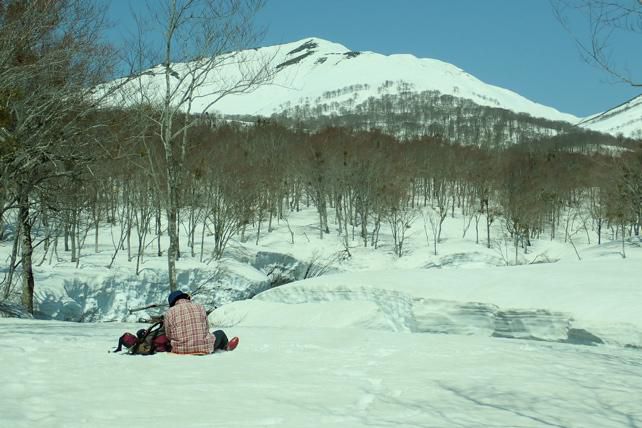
(201, 61)
(400, 219)
(50, 55)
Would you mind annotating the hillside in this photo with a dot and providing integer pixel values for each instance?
(625, 119)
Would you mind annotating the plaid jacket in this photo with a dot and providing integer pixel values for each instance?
(187, 328)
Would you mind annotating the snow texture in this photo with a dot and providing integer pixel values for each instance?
(60, 375)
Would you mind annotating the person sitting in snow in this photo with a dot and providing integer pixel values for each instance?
(187, 328)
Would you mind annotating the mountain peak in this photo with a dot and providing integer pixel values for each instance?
(315, 44)
(317, 71)
(315, 48)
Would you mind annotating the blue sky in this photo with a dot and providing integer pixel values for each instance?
(515, 44)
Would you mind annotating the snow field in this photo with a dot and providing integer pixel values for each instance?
(61, 375)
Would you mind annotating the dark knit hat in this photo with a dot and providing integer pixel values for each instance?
(175, 295)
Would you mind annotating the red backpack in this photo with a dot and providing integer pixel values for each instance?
(146, 341)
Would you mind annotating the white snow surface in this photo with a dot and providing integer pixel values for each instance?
(625, 119)
(58, 374)
(537, 301)
(416, 341)
(311, 68)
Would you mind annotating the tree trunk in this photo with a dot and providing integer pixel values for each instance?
(28, 283)
(623, 240)
(12, 262)
(173, 243)
(320, 210)
(169, 144)
(364, 224)
(203, 237)
(66, 234)
(96, 230)
(258, 230)
(131, 215)
(192, 225)
(72, 235)
(477, 216)
(172, 203)
(159, 229)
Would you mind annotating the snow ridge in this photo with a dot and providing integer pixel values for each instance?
(340, 306)
(308, 71)
(625, 119)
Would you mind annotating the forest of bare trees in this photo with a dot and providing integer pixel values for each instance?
(70, 166)
(236, 176)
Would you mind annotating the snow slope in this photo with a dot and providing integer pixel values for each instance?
(625, 119)
(314, 71)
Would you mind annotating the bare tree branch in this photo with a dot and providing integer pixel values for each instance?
(606, 19)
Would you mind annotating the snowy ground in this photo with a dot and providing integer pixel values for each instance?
(58, 374)
(387, 341)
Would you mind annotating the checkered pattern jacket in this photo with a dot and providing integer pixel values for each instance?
(187, 328)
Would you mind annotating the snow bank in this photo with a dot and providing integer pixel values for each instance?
(97, 293)
(565, 302)
(10, 310)
(100, 294)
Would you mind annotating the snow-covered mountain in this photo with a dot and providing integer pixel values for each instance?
(313, 71)
(625, 119)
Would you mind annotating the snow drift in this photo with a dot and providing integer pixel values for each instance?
(564, 302)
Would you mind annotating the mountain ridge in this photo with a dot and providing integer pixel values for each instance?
(316, 78)
(624, 119)
(313, 66)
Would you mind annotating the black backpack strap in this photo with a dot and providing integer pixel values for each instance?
(151, 333)
(158, 325)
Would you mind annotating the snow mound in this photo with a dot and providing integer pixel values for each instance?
(531, 303)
